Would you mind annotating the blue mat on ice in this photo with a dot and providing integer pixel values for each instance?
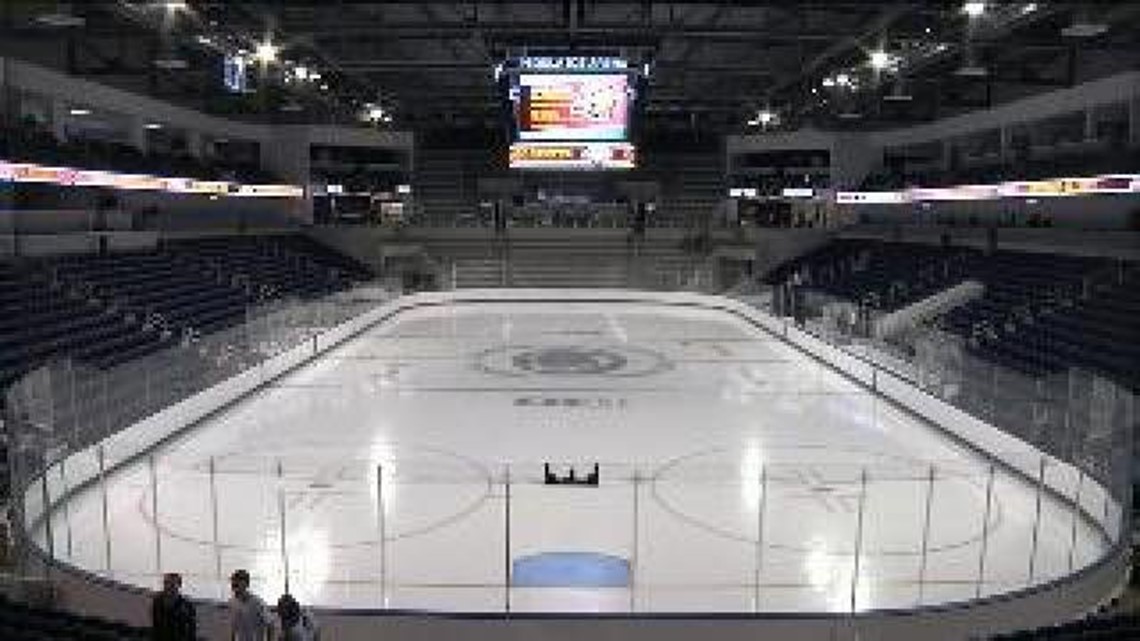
(570, 570)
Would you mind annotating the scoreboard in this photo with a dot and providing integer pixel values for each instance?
(571, 113)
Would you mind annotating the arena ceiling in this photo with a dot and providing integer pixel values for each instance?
(712, 66)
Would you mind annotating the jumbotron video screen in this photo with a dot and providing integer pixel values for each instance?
(571, 120)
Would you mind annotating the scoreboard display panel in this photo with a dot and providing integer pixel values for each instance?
(571, 113)
(580, 107)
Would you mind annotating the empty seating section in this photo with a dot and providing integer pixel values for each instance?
(39, 319)
(1040, 312)
(105, 310)
(1094, 628)
(883, 276)
(20, 622)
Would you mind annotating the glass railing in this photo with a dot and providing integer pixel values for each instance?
(428, 530)
(711, 532)
(1074, 415)
(66, 406)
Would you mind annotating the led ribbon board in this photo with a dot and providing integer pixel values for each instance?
(69, 177)
(572, 155)
(1055, 187)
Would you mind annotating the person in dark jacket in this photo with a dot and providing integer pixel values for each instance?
(171, 614)
(296, 624)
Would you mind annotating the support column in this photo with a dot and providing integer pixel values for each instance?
(1134, 120)
(59, 116)
(194, 143)
(1005, 136)
(1090, 123)
(136, 133)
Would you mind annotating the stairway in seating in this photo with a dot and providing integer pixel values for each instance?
(472, 273)
(560, 263)
(607, 262)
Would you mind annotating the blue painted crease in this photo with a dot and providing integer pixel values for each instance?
(570, 570)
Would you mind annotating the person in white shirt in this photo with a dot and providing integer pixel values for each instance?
(249, 618)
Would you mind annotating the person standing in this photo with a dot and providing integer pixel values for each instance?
(171, 614)
(296, 624)
(249, 618)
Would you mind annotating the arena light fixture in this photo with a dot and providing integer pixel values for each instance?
(829, 82)
(1084, 29)
(153, 125)
(266, 52)
(843, 80)
(764, 118)
(171, 64)
(375, 113)
(79, 111)
(61, 18)
(974, 9)
(880, 60)
(971, 71)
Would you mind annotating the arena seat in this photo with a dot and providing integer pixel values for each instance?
(19, 622)
(99, 309)
(1125, 627)
(1040, 312)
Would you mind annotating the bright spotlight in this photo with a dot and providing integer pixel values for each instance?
(880, 60)
(974, 9)
(843, 80)
(765, 117)
(266, 52)
(829, 82)
(152, 126)
(173, 7)
(301, 73)
(375, 113)
(79, 111)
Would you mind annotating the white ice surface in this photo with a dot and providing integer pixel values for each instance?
(734, 473)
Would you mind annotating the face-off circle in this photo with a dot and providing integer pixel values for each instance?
(572, 360)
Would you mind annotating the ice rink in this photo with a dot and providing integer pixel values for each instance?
(736, 474)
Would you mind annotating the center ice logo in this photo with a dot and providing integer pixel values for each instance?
(571, 360)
